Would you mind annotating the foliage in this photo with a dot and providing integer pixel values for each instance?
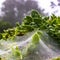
(10, 33)
(33, 21)
(35, 38)
(49, 24)
(53, 29)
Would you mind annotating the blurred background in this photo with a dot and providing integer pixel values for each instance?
(12, 11)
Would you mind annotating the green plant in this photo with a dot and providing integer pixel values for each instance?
(34, 21)
(35, 38)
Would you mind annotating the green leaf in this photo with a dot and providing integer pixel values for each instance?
(27, 20)
(35, 14)
(35, 38)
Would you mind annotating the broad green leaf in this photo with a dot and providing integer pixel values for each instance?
(35, 38)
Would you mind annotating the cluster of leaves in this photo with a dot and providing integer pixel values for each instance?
(11, 33)
(50, 24)
(33, 20)
(53, 28)
(29, 24)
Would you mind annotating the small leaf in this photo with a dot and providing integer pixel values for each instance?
(35, 38)
(35, 14)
